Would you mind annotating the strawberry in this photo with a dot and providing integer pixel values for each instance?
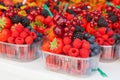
(111, 41)
(84, 53)
(11, 40)
(102, 30)
(84, 22)
(74, 52)
(67, 40)
(29, 40)
(110, 33)
(23, 34)
(1, 13)
(5, 22)
(47, 20)
(19, 40)
(105, 37)
(46, 46)
(56, 45)
(100, 41)
(66, 48)
(77, 43)
(85, 44)
(40, 18)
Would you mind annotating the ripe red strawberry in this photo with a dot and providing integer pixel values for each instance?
(85, 44)
(100, 41)
(110, 33)
(66, 48)
(19, 40)
(111, 41)
(23, 34)
(105, 37)
(47, 20)
(33, 34)
(11, 40)
(1, 13)
(29, 40)
(15, 33)
(67, 40)
(68, 16)
(74, 52)
(84, 53)
(77, 43)
(102, 30)
(40, 18)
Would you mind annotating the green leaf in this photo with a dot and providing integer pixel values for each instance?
(96, 27)
(53, 44)
(118, 7)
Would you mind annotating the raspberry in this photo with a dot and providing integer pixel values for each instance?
(29, 40)
(19, 27)
(106, 43)
(33, 34)
(111, 41)
(66, 48)
(105, 37)
(15, 33)
(110, 33)
(23, 34)
(100, 41)
(77, 43)
(26, 30)
(102, 30)
(117, 31)
(11, 40)
(19, 40)
(84, 53)
(67, 40)
(85, 44)
(116, 25)
(97, 34)
(74, 52)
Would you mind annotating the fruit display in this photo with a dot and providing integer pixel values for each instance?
(19, 39)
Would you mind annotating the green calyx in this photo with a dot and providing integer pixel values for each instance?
(53, 44)
(2, 23)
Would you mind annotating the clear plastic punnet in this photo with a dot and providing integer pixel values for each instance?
(108, 53)
(70, 65)
(22, 53)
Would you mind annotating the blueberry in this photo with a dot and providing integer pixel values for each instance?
(96, 50)
(39, 34)
(115, 36)
(32, 30)
(39, 38)
(91, 39)
(92, 46)
(29, 27)
(92, 54)
(87, 35)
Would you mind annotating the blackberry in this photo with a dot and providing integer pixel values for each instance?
(84, 8)
(16, 19)
(102, 22)
(30, 9)
(88, 18)
(71, 11)
(18, 5)
(47, 3)
(110, 14)
(56, 8)
(25, 21)
(44, 13)
(114, 18)
(78, 35)
(79, 29)
(1, 3)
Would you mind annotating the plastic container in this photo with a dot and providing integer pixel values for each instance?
(118, 50)
(108, 53)
(20, 52)
(70, 65)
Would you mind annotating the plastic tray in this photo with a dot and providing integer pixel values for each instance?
(19, 52)
(118, 50)
(70, 65)
(108, 53)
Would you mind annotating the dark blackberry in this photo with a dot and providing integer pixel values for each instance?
(44, 13)
(47, 3)
(30, 9)
(78, 35)
(86, 36)
(16, 19)
(110, 14)
(18, 5)
(56, 8)
(114, 18)
(102, 22)
(25, 21)
(1, 3)
(88, 18)
(84, 8)
(71, 11)
(79, 29)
